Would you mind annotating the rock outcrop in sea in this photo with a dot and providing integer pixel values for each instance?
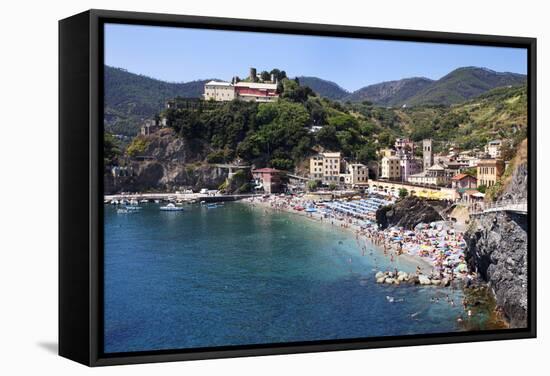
(497, 250)
(409, 212)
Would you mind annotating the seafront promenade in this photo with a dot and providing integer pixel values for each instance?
(176, 197)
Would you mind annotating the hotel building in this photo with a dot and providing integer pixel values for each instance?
(489, 171)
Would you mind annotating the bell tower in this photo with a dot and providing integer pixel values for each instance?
(427, 153)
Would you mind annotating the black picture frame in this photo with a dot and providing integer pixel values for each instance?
(81, 188)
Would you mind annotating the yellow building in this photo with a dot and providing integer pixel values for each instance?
(325, 167)
(387, 152)
(391, 168)
(316, 167)
(489, 171)
(357, 174)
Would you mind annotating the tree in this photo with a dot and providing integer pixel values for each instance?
(137, 146)
(386, 139)
(332, 186)
(265, 76)
(470, 171)
(367, 153)
(282, 164)
(111, 149)
(294, 92)
(279, 74)
(403, 192)
(312, 185)
(482, 188)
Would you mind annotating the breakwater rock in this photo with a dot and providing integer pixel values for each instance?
(400, 277)
(409, 212)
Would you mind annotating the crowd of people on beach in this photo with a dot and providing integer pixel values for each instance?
(438, 244)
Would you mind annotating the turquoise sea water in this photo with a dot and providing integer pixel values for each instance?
(237, 275)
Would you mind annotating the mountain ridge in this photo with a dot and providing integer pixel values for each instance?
(130, 98)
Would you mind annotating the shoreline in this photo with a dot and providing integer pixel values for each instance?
(354, 229)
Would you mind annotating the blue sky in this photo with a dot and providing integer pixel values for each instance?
(181, 55)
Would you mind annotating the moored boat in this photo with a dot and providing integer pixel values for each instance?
(171, 207)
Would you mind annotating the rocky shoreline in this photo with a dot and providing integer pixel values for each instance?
(497, 251)
(401, 277)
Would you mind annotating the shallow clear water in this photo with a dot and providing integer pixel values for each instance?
(238, 275)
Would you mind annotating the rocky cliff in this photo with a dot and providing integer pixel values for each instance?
(497, 250)
(409, 212)
(164, 162)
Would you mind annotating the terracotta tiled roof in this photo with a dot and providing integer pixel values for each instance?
(461, 176)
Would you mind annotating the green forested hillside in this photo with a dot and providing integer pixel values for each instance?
(130, 98)
(463, 84)
(456, 87)
(324, 88)
(390, 93)
(498, 114)
(279, 134)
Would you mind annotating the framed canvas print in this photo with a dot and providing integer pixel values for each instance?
(240, 187)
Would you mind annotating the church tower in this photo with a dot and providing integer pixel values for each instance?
(427, 153)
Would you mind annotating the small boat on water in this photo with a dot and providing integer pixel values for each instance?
(171, 207)
(157, 201)
(133, 208)
(114, 202)
(144, 201)
(212, 206)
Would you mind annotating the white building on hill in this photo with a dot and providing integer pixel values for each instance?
(221, 91)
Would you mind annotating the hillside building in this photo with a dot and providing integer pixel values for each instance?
(489, 171)
(325, 167)
(409, 165)
(390, 168)
(434, 175)
(387, 152)
(151, 126)
(464, 181)
(493, 148)
(250, 90)
(404, 146)
(357, 174)
(268, 179)
(330, 167)
(219, 91)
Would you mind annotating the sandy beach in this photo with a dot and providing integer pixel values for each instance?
(366, 239)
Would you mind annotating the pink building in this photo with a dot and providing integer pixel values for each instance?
(268, 178)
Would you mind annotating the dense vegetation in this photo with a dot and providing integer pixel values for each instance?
(391, 93)
(456, 87)
(324, 88)
(463, 84)
(279, 134)
(130, 98)
(284, 133)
